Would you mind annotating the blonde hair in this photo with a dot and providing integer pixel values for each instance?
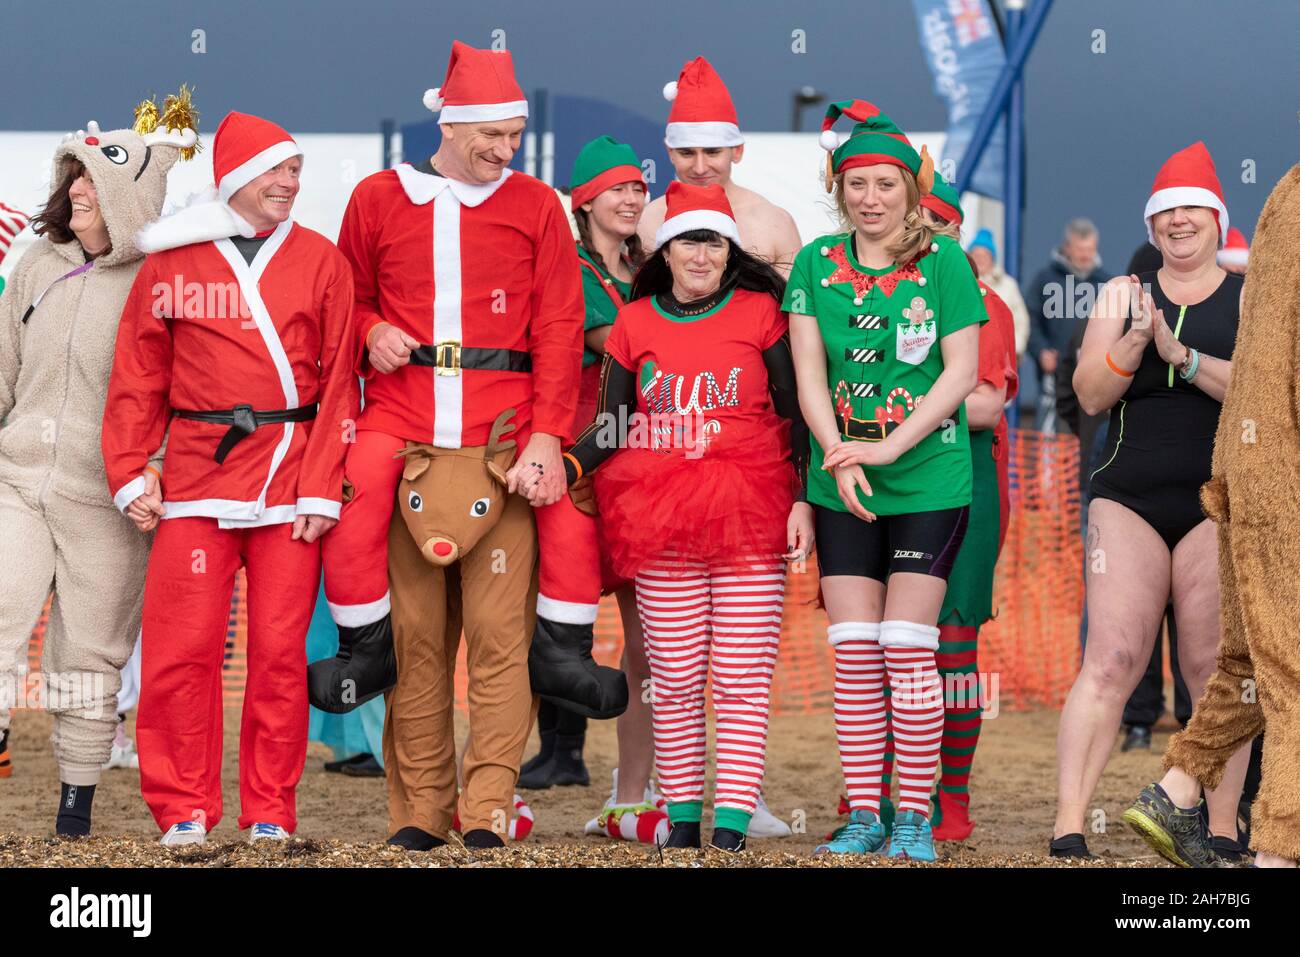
(918, 234)
(940, 226)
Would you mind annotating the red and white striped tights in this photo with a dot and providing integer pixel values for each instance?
(916, 707)
(729, 614)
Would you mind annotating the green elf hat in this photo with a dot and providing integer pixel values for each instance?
(943, 201)
(602, 163)
(875, 139)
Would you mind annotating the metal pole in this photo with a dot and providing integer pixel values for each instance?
(1014, 192)
(1011, 193)
(1025, 38)
(386, 128)
(545, 139)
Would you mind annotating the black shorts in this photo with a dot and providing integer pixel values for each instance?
(925, 543)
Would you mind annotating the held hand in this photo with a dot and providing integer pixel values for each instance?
(1170, 349)
(390, 347)
(860, 453)
(848, 479)
(538, 473)
(311, 527)
(147, 508)
(1047, 360)
(799, 533)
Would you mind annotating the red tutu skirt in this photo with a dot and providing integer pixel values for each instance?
(730, 504)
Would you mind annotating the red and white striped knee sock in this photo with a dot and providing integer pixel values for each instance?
(673, 599)
(916, 704)
(745, 623)
(860, 709)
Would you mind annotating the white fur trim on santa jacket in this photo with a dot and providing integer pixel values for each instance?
(202, 218)
(204, 330)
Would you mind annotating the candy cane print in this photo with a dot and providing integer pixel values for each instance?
(907, 398)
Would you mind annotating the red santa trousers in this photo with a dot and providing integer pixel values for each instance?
(186, 618)
(356, 551)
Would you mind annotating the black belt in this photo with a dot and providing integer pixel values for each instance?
(873, 431)
(448, 358)
(243, 422)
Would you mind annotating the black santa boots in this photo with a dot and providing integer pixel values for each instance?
(561, 670)
(364, 667)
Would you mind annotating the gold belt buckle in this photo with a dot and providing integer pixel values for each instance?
(447, 358)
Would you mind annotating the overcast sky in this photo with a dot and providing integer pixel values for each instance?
(1098, 124)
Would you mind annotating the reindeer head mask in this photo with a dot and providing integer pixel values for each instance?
(450, 498)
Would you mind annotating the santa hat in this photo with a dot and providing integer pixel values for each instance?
(1236, 251)
(12, 222)
(702, 112)
(943, 201)
(1188, 179)
(875, 139)
(480, 87)
(696, 207)
(244, 148)
(602, 163)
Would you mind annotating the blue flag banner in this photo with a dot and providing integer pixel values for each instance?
(965, 53)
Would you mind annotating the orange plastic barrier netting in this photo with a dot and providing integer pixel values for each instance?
(1032, 645)
(1029, 653)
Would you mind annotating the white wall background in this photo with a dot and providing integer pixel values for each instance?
(334, 164)
(787, 168)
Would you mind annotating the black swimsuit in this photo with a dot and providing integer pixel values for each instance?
(1161, 436)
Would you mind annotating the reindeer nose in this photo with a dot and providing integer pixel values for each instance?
(440, 551)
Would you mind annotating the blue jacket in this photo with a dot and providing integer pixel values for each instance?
(1056, 300)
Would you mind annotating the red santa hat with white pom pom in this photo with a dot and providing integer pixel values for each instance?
(480, 87)
(702, 114)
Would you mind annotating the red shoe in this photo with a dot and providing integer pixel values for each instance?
(6, 766)
(954, 823)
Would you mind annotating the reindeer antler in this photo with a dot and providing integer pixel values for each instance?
(500, 427)
(414, 448)
(184, 139)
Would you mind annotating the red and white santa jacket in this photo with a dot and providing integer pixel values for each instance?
(478, 273)
(205, 330)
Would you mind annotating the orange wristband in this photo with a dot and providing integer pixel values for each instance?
(577, 466)
(150, 468)
(1116, 369)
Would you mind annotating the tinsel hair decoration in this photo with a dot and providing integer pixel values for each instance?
(178, 115)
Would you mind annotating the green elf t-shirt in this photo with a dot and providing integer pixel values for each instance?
(881, 328)
(601, 307)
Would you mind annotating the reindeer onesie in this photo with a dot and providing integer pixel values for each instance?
(59, 320)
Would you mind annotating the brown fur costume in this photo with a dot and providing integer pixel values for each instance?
(1253, 495)
(459, 547)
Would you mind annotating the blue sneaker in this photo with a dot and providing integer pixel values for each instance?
(267, 832)
(864, 834)
(184, 832)
(911, 837)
